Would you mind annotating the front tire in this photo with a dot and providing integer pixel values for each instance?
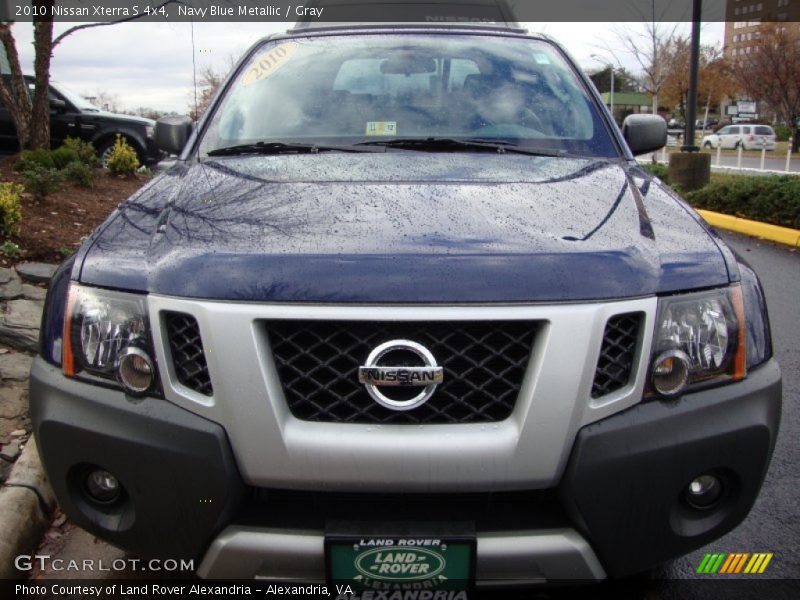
(104, 149)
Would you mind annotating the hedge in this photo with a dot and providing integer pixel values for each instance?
(770, 199)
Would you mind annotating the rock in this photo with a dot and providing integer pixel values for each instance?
(34, 272)
(19, 327)
(10, 451)
(18, 433)
(11, 289)
(33, 292)
(13, 402)
(7, 275)
(15, 365)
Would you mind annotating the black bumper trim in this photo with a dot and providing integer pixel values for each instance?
(624, 483)
(181, 482)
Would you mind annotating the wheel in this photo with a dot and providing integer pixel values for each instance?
(707, 145)
(738, 145)
(104, 149)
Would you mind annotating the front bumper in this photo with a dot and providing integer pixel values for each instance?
(620, 508)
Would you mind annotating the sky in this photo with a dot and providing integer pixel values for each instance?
(150, 64)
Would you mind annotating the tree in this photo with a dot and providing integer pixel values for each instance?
(714, 78)
(647, 45)
(624, 80)
(208, 84)
(772, 74)
(31, 117)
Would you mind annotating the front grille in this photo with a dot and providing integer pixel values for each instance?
(617, 354)
(483, 363)
(188, 357)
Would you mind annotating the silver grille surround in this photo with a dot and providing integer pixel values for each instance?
(528, 450)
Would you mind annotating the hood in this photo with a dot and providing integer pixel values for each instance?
(133, 120)
(403, 227)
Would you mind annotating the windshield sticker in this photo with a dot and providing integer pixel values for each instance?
(266, 63)
(381, 128)
(541, 59)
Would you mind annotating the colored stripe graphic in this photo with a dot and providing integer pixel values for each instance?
(741, 562)
(732, 560)
(722, 563)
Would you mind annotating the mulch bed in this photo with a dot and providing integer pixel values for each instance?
(53, 227)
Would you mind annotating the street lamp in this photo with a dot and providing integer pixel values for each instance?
(611, 94)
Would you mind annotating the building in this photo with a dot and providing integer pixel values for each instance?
(744, 17)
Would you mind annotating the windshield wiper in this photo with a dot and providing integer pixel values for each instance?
(434, 144)
(282, 148)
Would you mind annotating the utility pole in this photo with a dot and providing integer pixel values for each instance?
(689, 168)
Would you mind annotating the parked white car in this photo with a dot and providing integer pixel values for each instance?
(750, 137)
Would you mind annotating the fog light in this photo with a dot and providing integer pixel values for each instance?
(671, 373)
(135, 370)
(102, 486)
(704, 491)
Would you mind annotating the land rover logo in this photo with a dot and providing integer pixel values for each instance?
(375, 375)
(394, 564)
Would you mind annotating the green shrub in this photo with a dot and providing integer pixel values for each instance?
(123, 159)
(40, 181)
(85, 150)
(782, 132)
(657, 169)
(10, 250)
(10, 210)
(64, 156)
(771, 199)
(80, 173)
(32, 158)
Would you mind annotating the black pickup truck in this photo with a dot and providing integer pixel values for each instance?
(72, 115)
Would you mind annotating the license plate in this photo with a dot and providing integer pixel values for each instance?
(401, 562)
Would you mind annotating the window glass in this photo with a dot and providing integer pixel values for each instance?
(346, 89)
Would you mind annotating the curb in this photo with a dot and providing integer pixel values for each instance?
(774, 233)
(26, 503)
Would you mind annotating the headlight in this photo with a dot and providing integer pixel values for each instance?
(107, 337)
(149, 130)
(699, 338)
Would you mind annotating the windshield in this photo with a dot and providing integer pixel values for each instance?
(77, 101)
(351, 89)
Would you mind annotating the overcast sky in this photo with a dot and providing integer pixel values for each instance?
(150, 64)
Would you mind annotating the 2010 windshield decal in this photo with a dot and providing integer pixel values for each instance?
(268, 62)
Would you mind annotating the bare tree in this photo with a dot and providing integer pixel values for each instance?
(208, 83)
(771, 74)
(647, 44)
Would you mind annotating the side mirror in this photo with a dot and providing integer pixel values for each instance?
(644, 133)
(172, 133)
(58, 105)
